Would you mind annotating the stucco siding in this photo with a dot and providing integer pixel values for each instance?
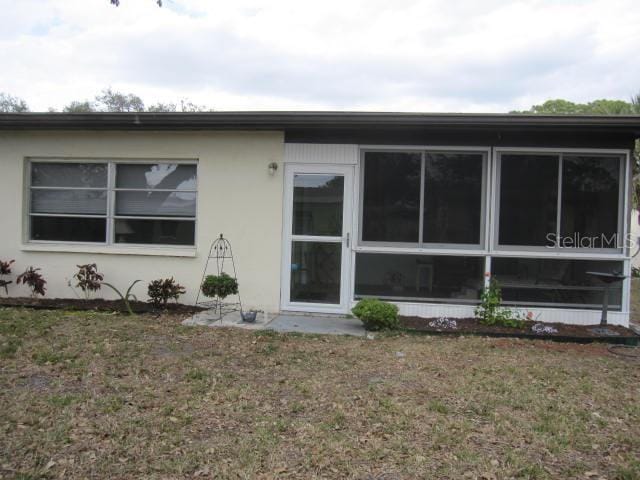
(236, 196)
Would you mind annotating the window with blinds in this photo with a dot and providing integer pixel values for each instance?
(113, 202)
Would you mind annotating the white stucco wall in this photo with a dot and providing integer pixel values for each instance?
(236, 196)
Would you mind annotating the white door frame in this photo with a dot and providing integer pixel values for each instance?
(346, 240)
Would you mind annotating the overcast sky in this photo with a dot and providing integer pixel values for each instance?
(401, 55)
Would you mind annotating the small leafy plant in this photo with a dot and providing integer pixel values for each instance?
(5, 269)
(89, 279)
(33, 279)
(126, 297)
(162, 290)
(376, 314)
(220, 286)
(491, 312)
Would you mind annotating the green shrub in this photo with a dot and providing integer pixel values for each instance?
(491, 312)
(219, 286)
(376, 314)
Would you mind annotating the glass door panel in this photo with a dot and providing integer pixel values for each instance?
(317, 239)
(315, 272)
(318, 204)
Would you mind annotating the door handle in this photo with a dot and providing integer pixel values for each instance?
(348, 239)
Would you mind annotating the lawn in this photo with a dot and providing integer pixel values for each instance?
(635, 301)
(94, 395)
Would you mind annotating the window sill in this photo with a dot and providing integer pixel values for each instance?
(147, 250)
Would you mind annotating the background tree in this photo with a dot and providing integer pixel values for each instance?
(597, 107)
(112, 101)
(11, 104)
(79, 107)
(162, 107)
(187, 106)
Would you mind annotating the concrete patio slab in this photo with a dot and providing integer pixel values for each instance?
(284, 323)
(209, 318)
(328, 325)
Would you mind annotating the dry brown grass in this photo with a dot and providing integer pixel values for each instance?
(635, 301)
(85, 395)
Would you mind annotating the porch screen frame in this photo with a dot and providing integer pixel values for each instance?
(490, 217)
(623, 193)
(421, 245)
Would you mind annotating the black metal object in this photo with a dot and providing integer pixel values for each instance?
(221, 252)
(5, 284)
(607, 278)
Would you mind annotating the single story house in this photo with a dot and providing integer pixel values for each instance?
(325, 208)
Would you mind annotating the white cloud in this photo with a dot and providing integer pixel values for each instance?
(428, 55)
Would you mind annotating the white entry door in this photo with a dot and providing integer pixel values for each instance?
(317, 238)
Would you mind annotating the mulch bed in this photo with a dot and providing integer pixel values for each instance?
(98, 304)
(565, 332)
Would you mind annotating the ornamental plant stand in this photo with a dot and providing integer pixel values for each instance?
(607, 278)
(220, 254)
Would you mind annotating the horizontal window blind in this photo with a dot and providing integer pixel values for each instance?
(77, 202)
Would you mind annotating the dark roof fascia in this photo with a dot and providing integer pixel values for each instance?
(308, 120)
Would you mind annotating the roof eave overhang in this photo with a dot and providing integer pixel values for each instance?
(312, 120)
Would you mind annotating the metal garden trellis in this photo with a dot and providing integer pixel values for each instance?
(221, 252)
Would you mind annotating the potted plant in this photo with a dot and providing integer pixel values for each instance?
(220, 286)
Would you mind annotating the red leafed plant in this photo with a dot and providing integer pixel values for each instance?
(34, 280)
(162, 290)
(5, 267)
(89, 279)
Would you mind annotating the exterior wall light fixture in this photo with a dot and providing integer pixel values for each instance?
(273, 168)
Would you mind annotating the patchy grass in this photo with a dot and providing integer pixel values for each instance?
(635, 301)
(94, 395)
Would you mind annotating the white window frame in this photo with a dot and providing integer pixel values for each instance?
(111, 190)
(29, 188)
(421, 246)
(518, 250)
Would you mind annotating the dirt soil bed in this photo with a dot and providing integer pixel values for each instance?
(97, 305)
(473, 326)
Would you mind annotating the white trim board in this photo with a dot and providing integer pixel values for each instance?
(327, 154)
